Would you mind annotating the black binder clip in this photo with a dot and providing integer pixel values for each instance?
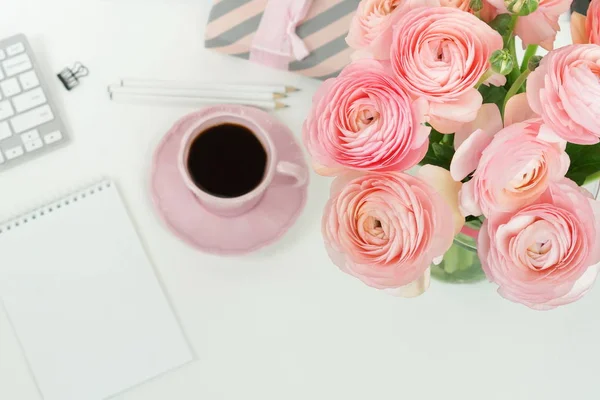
(70, 76)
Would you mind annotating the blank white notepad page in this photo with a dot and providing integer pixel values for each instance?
(83, 298)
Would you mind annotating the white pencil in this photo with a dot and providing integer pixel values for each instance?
(190, 101)
(216, 94)
(252, 88)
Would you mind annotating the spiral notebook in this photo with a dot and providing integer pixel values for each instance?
(83, 299)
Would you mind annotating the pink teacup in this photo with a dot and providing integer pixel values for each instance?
(235, 206)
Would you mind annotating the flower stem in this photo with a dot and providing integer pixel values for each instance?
(514, 89)
(530, 52)
(487, 75)
(448, 139)
(509, 35)
(514, 74)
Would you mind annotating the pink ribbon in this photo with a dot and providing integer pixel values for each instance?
(276, 42)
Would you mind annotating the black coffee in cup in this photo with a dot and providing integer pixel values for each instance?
(227, 160)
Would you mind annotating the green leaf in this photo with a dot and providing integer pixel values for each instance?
(493, 94)
(440, 151)
(443, 154)
(501, 24)
(435, 136)
(585, 161)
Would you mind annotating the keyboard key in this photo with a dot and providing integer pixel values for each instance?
(31, 119)
(33, 145)
(53, 137)
(2, 55)
(5, 131)
(16, 65)
(14, 152)
(28, 100)
(29, 80)
(30, 136)
(6, 110)
(10, 87)
(15, 49)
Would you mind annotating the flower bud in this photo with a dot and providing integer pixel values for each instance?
(534, 62)
(521, 7)
(502, 62)
(476, 5)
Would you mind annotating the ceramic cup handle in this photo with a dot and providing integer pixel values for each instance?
(293, 170)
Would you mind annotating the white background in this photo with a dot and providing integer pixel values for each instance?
(282, 323)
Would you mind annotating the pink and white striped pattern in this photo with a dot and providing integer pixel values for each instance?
(233, 24)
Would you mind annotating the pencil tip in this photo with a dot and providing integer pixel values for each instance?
(279, 96)
(291, 89)
(279, 105)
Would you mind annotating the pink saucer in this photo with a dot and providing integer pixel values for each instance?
(187, 218)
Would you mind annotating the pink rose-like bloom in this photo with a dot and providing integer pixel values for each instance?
(386, 229)
(586, 29)
(546, 254)
(370, 31)
(565, 91)
(539, 27)
(363, 120)
(440, 54)
(514, 170)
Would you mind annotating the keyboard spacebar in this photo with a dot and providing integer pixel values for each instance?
(31, 119)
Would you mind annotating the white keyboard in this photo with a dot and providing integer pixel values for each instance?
(29, 121)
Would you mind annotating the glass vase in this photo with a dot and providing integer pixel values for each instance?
(460, 263)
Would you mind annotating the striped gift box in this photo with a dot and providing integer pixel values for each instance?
(233, 25)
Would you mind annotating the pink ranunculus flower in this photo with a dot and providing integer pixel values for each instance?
(472, 139)
(439, 54)
(539, 27)
(370, 31)
(514, 170)
(586, 29)
(363, 120)
(547, 254)
(386, 229)
(565, 91)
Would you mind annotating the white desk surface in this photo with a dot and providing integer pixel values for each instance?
(283, 323)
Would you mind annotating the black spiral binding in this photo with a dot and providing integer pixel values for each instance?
(41, 212)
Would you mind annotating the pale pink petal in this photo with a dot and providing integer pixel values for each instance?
(342, 179)
(414, 289)
(468, 204)
(326, 171)
(488, 119)
(550, 136)
(448, 117)
(440, 179)
(420, 108)
(496, 80)
(578, 28)
(467, 156)
(579, 289)
(538, 27)
(438, 260)
(518, 110)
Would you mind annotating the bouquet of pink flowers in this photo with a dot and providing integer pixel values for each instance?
(504, 146)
